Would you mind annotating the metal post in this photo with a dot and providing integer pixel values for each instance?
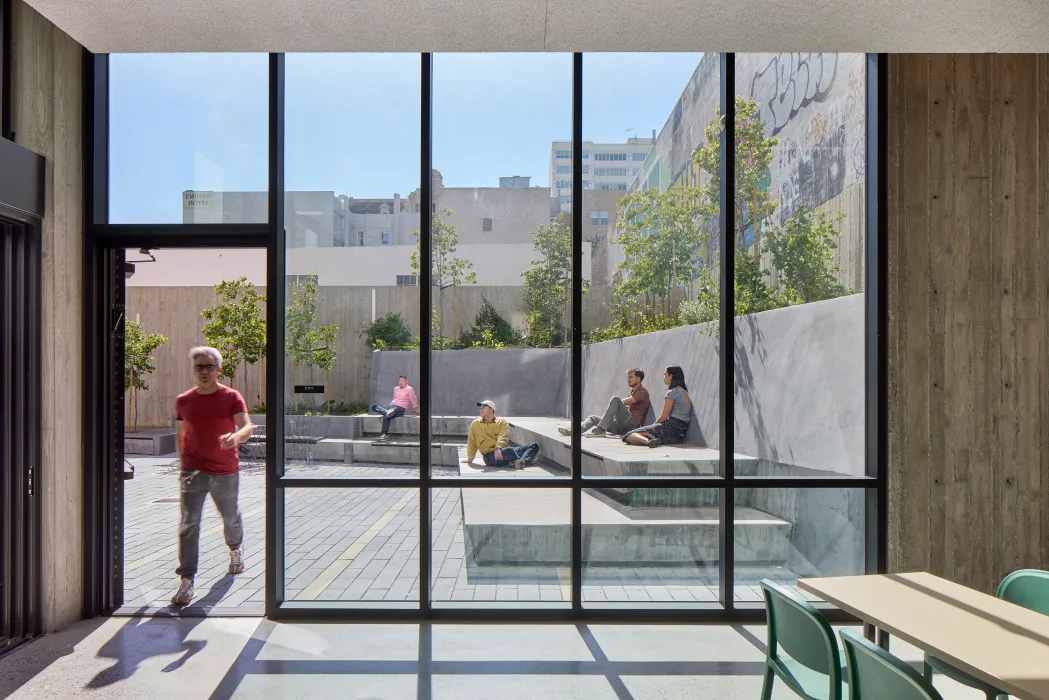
(425, 326)
(275, 303)
(577, 331)
(727, 339)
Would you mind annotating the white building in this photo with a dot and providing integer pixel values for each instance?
(606, 166)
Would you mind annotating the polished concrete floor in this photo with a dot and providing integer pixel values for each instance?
(222, 658)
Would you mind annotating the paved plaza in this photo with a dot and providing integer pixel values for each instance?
(362, 545)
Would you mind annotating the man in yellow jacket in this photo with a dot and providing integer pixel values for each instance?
(491, 437)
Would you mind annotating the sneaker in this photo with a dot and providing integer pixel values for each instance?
(383, 438)
(236, 561)
(520, 464)
(184, 594)
(654, 442)
(565, 431)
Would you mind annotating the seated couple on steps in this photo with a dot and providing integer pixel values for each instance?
(626, 417)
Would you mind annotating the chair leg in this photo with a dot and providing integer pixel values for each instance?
(766, 686)
(928, 673)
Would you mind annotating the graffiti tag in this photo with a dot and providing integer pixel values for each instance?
(789, 82)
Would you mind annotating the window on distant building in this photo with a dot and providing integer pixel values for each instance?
(562, 154)
(563, 184)
(566, 199)
(604, 218)
(384, 238)
(486, 224)
(360, 238)
(562, 169)
(587, 155)
(595, 217)
(407, 281)
(640, 156)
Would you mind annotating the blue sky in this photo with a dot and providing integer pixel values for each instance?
(199, 121)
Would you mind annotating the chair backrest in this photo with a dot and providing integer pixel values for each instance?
(1028, 588)
(875, 674)
(801, 631)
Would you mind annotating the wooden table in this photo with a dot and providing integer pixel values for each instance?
(1001, 643)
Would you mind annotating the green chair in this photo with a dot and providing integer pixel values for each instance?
(875, 674)
(1028, 588)
(812, 665)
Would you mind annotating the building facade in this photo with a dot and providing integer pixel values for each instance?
(606, 167)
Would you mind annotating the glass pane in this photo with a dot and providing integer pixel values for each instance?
(651, 230)
(787, 534)
(501, 262)
(502, 547)
(188, 138)
(800, 235)
(352, 171)
(650, 546)
(352, 545)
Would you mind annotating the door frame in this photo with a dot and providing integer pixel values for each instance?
(22, 205)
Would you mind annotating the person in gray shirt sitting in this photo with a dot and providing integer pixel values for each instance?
(670, 427)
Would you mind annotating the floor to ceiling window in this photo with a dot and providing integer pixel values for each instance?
(512, 378)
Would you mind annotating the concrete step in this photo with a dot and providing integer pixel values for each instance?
(349, 451)
(506, 528)
(149, 442)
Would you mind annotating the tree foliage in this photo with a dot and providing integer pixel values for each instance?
(803, 253)
(660, 238)
(138, 363)
(754, 154)
(307, 344)
(447, 270)
(236, 325)
(548, 285)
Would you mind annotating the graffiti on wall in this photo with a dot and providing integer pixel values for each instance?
(813, 171)
(789, 82)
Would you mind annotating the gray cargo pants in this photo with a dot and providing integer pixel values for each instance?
(195, 487)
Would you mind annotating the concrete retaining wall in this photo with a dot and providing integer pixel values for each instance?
(799, 382)
(522, 382)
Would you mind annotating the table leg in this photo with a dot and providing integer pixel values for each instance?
(868, 631)
(871, 633)
(883, 639)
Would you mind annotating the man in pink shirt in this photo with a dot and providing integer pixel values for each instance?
(403, 398)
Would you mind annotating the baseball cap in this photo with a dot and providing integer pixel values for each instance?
(488, 403)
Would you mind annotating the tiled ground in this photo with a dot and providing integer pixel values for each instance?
(362, 545)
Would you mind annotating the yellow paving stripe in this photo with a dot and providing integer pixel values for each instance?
(328, 576)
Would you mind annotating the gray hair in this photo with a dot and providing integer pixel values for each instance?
(206, 351)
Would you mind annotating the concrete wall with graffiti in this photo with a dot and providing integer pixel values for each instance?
(814, 105)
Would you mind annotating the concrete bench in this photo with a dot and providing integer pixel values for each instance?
(364, 425)
(349, 451)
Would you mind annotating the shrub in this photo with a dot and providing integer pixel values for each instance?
(388, 332)
(490, 330)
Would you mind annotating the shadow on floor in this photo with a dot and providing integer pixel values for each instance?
(142, 638)
(248, 663)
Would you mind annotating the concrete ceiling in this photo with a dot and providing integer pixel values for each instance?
(553, 25)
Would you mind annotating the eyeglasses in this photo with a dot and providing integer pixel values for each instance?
(205, 368)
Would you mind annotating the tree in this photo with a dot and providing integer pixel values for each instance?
(660, 239)
(548, 285)
(309, 346)
(754, 153)
(236, 326)
(803, 252)
(447, 270)
(138, 362)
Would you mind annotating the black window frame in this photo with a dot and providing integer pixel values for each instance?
(105, 242)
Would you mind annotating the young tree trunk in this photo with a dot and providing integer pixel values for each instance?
(262, 386)
(327, 391)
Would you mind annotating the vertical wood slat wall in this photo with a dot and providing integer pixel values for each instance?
(969, 315)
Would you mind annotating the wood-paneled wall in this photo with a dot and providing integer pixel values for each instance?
(969, 315)
(46, 70)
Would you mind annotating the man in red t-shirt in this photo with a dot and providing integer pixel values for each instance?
(212, 422)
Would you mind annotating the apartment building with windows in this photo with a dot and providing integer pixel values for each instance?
(609, 167)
